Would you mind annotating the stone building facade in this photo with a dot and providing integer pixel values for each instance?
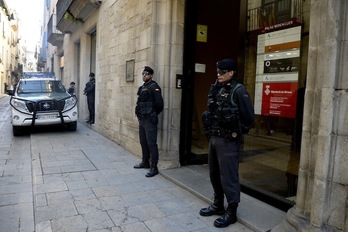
(322, 189)
(11, 53)
(116, 39)
(146, 32)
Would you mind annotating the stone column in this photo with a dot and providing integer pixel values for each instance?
(322, 195)
(166, 55)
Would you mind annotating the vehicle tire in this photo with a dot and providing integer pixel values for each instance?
(72, 126)
(17, 130)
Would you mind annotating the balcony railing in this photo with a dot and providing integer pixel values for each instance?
(54, 36)
(274, 13)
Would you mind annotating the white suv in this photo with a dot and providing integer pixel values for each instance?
(40, 102)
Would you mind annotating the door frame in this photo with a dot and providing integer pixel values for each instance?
(187, 83)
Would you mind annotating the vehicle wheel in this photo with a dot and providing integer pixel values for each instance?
(72, 126)
(17, 130)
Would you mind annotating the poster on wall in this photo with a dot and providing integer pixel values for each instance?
(202, 33)
(277, 72)
(279, 99)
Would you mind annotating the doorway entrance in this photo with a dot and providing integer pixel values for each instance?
(212, 33)
(215, 30)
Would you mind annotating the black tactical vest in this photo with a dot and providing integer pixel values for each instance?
(224, 114)
(145, 102)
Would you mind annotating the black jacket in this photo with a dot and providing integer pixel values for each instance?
(149, 96)
(90, 89)
(237, 97)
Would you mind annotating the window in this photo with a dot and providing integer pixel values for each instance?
(93, 51)
(276, 11)
(41, 87)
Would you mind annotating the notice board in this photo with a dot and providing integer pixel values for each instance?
(277, 72)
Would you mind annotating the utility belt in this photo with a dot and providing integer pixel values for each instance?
(224, 133)
(152, 117)
(144, 116)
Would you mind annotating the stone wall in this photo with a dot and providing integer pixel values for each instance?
(321, 203)
(150, 33)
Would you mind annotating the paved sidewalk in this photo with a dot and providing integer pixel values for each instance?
(81, 181)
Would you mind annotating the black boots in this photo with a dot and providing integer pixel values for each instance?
(217, 208)
(142, 165)
(230, 217)
(153, 171)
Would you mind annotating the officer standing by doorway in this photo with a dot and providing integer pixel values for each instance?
(149, 106)
(229, 115)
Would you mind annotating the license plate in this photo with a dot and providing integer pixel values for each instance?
(47, 116)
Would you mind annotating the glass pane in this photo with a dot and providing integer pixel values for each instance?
(283, 10)
(41, 87)
(270, 155)
(268, 162)
(267, 1)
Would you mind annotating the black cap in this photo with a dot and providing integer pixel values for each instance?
(148, 69)
(91, 75)
(226, 64)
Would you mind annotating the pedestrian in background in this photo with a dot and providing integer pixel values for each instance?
(71, 89)
(149, 105)
(229, 115)
(89, 91)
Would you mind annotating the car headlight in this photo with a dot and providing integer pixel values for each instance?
(69, 103)
(19, 105)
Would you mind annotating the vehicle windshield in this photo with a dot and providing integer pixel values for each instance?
(40, 86)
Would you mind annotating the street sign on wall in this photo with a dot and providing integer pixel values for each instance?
(278, 63)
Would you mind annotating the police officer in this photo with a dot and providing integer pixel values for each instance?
(229, 115)
(149, 105)
(90, 92)
(71, 89)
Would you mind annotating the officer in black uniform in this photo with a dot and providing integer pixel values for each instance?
(90, 92)
(71, 89)
(229, 115)
(149, 105)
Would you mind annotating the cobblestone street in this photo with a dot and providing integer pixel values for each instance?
(56, 180)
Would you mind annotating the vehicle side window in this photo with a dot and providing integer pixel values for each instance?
(58, 87)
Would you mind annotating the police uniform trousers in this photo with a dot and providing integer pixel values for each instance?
(223, 161)
(91, 109)
(148, 139)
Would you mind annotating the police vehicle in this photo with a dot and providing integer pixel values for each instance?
(41, 100)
